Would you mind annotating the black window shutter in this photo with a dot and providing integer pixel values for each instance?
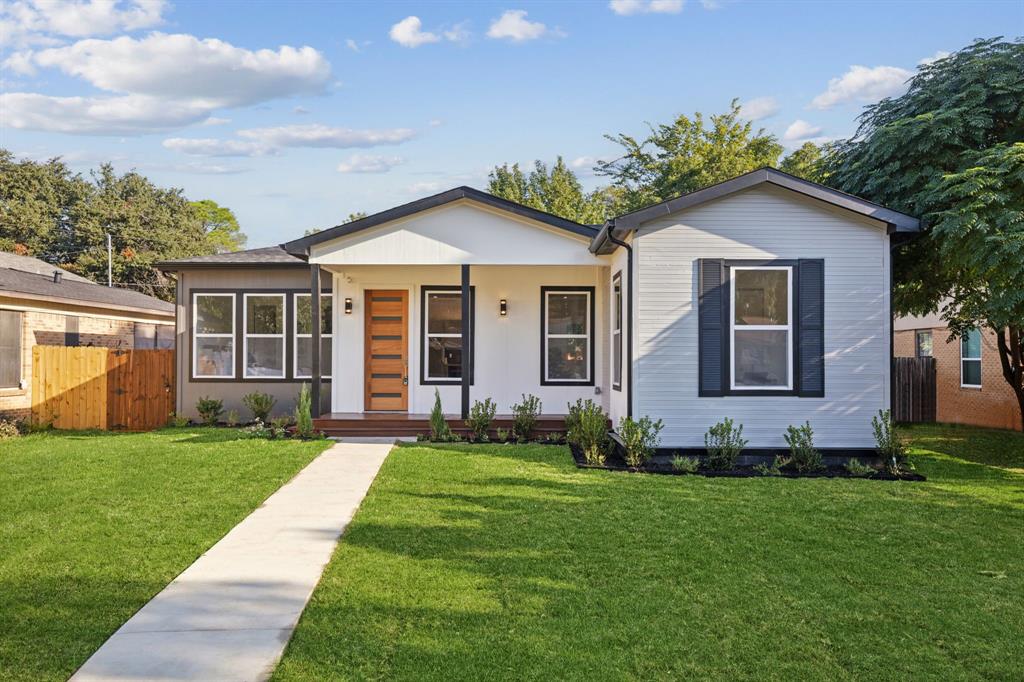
(712, 323)
(811, 327)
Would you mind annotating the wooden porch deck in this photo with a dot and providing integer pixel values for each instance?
(339, 424)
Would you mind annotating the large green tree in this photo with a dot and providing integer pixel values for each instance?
(557, 191)
(49, 212)
(686, 155)
(220, 225)
(951, 150)
(806, 161)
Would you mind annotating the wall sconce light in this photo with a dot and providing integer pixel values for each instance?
(348, 306)
(503, 308)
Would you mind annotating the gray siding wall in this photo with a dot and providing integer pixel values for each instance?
(231, 391)
(764, 223)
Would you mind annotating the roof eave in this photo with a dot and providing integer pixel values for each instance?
(84, 303)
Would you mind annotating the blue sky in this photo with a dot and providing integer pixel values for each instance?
(296, 114)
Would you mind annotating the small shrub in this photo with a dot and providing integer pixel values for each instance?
(256, 430)
(38, 426)
(525, 417)
(889, 444)
(439, 429)
(9, 429)
(773, 469)
(502, 435)
(178, 420)
(210, 410)
(687, 465)
(422, 437)
(304, 414)
(640, 437)
(232, 418)
(554, 438)
(802, 453)
(279, 427)
(724, 442)
(586, 427)
(260, 404)
(855, 467)
(480, 417)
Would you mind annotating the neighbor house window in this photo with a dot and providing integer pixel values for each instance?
(923, 344)
(567, 335)
(970, 359)
(304, 335)
(442, 334)
(617, 331)
(263, 344)
(10, 349)
(761, 310)
(213, 336)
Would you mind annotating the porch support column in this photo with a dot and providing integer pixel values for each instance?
(314, 309)
(467, 341)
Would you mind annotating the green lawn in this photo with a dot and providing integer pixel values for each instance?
(508, 562)
(93, 525)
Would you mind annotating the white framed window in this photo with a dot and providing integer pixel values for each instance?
(10, 349)
(970, 359)
(263, 336)
(443, 356)
(617, 331)
(761, 333)
(567, 335)
(303, 360)
(213, 336)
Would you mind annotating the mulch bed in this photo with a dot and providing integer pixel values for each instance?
(615, 463)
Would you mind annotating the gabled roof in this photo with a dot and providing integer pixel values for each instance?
(75, 290)
(622, 225)
(300, 247)
(272, 256)
(13, 261)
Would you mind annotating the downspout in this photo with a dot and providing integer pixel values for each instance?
(629, 314)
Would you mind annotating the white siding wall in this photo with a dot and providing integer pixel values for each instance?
(764, 223)
(507, 350)
(617, 399)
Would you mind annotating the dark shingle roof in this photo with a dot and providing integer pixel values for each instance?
(268, 255)
(13, 261)
(77, 291)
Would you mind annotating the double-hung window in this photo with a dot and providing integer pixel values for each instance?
(970, 359)
(443, 360)
(567, 335)
(304, 335)
(213, 336)
(761, 310)
(617, 331)
(263, 336)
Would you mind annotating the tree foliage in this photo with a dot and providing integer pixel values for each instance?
(951, 151)
(51, 213)
(557, 191)
(805, 162)
(686, 155)
(358, 215)
(220, 225)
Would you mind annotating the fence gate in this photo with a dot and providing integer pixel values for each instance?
(914, 380)
(102, 388)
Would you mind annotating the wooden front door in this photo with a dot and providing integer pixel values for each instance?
(387, 350)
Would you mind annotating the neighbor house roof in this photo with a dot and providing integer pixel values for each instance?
(621, 226)
(266, 256)
(300, 247)
(21, 279)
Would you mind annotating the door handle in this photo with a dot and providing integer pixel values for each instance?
(405, 375)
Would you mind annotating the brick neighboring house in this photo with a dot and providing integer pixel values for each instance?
(41, 304)
(969, 383)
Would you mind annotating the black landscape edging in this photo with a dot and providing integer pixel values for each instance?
(615, 463)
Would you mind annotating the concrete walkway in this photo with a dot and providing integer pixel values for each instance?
(229, 615)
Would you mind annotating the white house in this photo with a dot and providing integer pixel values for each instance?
(765, 298)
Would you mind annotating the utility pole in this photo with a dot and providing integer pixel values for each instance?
(110, 263)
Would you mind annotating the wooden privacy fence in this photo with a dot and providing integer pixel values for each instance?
(914, 380)
(102, 388)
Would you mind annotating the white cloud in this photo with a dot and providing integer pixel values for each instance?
(711, 4)
(801, 131)
(20, 63)
(409, 33)
(424, 187)
(215, 147)
(29, 22)
(941, 54)
(352, 45)
(863, 84)
(459, 33)
(759, 108)
(630, 7)
(214, 121)
(513, 25)
(435, 122)
(301, 111)
(162, 82)
(366, 163)
(317, 135)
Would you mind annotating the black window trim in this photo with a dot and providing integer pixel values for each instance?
(424, 290)
(917, 342)
(543, 333)
(617, 319)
